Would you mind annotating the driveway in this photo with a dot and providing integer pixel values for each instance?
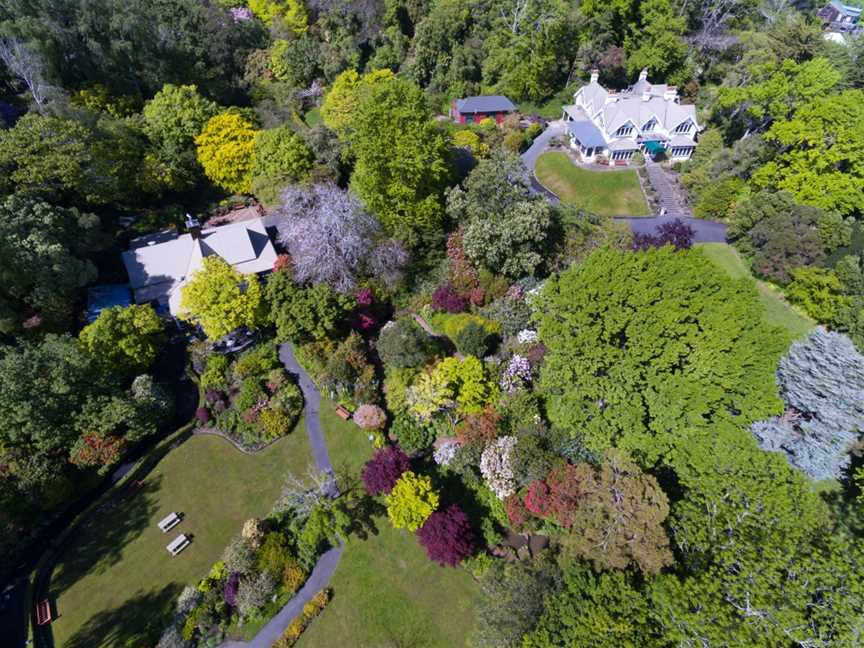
(706, 231)
(541, 143)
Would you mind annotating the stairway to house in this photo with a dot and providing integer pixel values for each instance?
(669, 200)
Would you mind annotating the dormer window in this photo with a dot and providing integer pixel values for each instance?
(683, 129)
(649, 127)
(624, 131)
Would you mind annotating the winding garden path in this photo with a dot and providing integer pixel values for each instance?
(326, 565)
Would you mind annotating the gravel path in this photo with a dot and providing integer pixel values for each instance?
(326, 565)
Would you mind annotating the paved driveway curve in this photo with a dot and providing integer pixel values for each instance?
(706, 231)
(326, 565)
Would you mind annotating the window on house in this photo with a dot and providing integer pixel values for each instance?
(683, 128)
(624, 131)
(649, 126)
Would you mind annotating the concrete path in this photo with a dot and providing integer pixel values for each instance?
(317, 581)
(312, 398)
(326, 565)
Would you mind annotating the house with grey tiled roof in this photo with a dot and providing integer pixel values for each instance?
(645, 117)
(160, 265)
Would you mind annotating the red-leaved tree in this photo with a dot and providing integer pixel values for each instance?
(558, 495)
(383, 470)
(447, 536)
(479, 429)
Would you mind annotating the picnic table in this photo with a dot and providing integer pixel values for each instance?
(178, 544)
(169, 522)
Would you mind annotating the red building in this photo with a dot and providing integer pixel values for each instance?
(474, 109)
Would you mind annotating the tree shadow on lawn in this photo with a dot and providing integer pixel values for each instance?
(362, 509)
(137, 622)
(98, 542)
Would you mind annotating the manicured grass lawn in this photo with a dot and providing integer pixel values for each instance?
(386, 592)
(312, 117)
(115, 584)
(608, 193)
(778, 311)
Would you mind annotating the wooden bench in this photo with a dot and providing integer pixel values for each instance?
(343, 413)
(178, 544)
(43, 612)
(169, 522)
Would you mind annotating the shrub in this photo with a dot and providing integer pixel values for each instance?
(253, 532)
(533, 130)
(215, 373)
(238, 556)
(411, 501)
(411, 434)
(496, 466)
(202, 415)
(274, 554)
(515, 142)
(396, 384)
(447, 536)
(275, 424)
(383, 470)
(473, 339)
(402, 344)
(818, 291)
(676, 233)
(451, 325)
(370, 417)
(293, 576)
(445, 298)
(254, 592)
(479, 429)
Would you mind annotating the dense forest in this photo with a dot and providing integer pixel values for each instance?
(696, 470)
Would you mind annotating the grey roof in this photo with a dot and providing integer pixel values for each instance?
(586, 132)
(847, 10)
(484, 104)
(159, 268)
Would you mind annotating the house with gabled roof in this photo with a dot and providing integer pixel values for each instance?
(160, 265)
(646, 117)
(475, 109)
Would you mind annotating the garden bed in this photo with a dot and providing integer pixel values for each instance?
(249, 398)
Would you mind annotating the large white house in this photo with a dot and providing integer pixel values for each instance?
(646, 117)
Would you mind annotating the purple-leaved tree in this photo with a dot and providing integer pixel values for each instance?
(447, 536)
(333, 240)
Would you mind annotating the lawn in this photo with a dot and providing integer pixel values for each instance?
(386, 592)
(115, 584)
(608, 193)
(778, 311)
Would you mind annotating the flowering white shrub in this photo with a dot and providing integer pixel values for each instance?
(527, 336)
(241, 14)
(496, 464)
(516, 375)
(446, 452)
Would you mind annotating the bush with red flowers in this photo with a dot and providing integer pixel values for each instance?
(447, 536)
(445, 298)
(383, 470)
(558, 495)
(202, 415)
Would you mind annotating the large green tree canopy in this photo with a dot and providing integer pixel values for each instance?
(41, 260)
(645, 345)
(822, 153)
(401, 165)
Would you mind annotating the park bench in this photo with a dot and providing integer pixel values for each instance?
(343, 413)
(43, 612)
(169, 522)
(178, 544)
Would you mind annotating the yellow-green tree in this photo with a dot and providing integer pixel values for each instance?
(221, 299)
(349, 88)
(226, 149)
(292, 13)
(124, 339)
(411, 501)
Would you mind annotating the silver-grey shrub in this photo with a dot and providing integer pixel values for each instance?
(822, 381)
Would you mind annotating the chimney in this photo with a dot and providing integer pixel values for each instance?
(646, 94)
(671, 93)
(643, 75)
(595, 75)
(193, 226)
